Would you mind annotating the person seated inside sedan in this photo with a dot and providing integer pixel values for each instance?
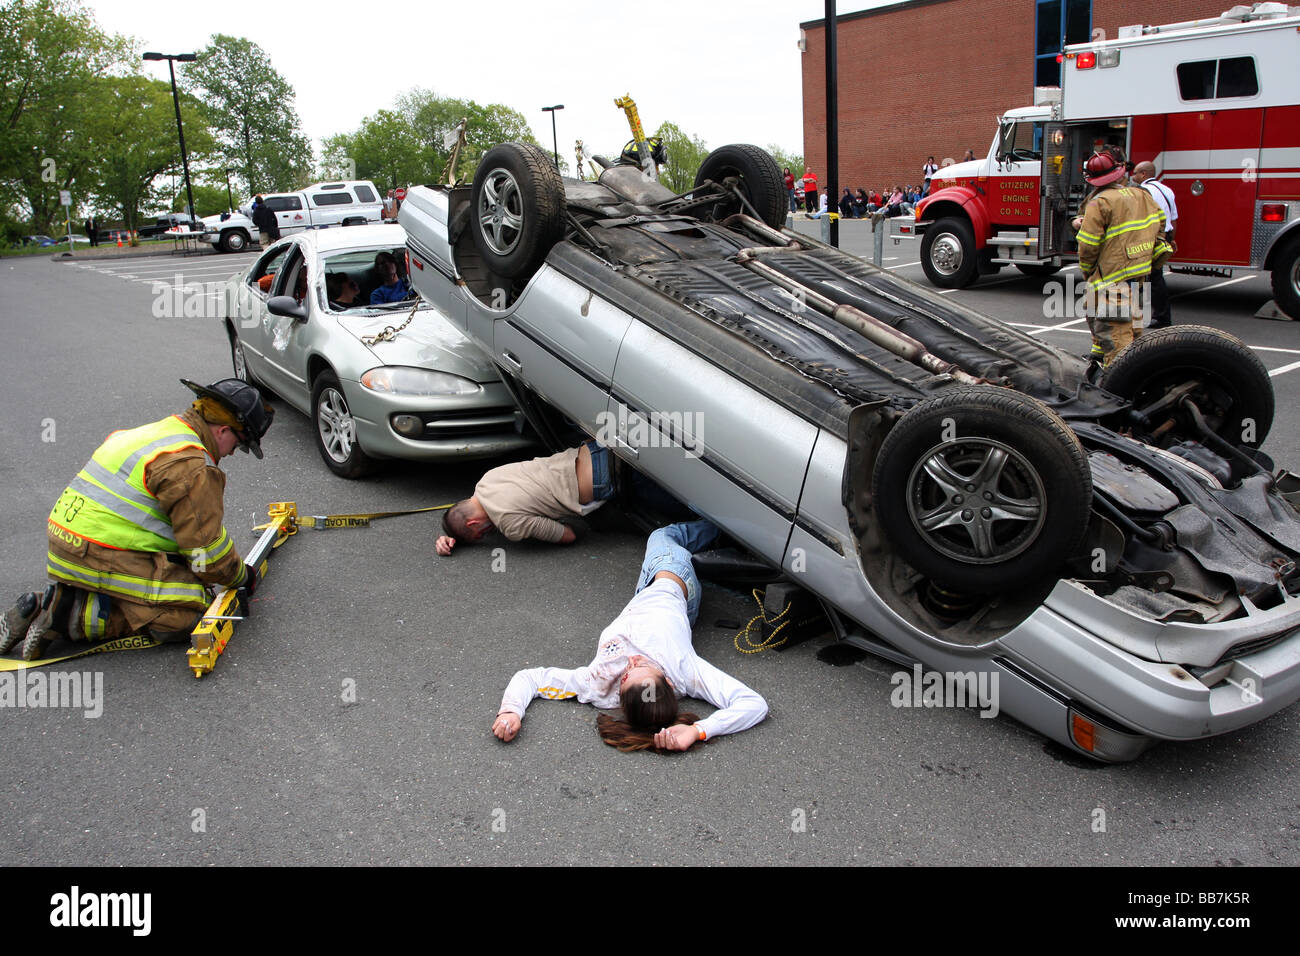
(342, 290)
(393, 288)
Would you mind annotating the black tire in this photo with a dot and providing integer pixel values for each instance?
(997, 446)
(335, 430)
(1037, 270)
(233, 240)
(948, 254)
(1235, 395)
(757, 176)
(1286, 278)
(518, 203)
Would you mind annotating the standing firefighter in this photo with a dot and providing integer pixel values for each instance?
(137, 536)
(1121, 232)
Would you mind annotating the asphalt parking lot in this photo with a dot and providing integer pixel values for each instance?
(348, 721)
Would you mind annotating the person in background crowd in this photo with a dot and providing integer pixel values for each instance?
(810, 190)
(846, 204)
(970, 155)
(788, 179)
(861, 204)
(927, 171)
(1144, 174)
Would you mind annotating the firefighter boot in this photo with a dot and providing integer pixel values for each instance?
(50, 624)
(16, 620)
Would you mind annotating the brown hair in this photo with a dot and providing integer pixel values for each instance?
(453, 522)
(645, 715)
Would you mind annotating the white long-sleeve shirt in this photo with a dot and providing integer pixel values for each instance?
(653, 625)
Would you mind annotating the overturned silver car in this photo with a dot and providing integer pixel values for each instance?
(1120, 557)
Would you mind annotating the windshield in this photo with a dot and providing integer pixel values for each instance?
(362, 281)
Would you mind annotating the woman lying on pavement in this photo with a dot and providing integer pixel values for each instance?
(645, 661)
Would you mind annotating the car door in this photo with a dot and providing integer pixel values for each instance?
(561, 341)
(290, 213)
(285, 370)
(246, 308)
(710, 437)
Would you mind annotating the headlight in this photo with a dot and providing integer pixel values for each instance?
(397, 380)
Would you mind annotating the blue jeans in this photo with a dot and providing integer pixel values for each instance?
(670, 549)
(602, 475)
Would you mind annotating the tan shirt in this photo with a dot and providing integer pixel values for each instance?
(524, 499)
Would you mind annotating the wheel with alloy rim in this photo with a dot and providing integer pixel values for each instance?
(336, 429)
(948, 254)
(983, 490)
(518, 203)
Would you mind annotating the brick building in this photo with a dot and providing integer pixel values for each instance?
(929, 77)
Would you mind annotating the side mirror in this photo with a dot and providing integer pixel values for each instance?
(287, 306)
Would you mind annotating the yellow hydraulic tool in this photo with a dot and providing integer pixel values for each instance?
(215, 628)
(628, 106)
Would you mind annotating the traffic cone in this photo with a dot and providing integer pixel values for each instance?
(119, 240)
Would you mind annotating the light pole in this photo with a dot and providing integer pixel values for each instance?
(230, 200)
(555, 143)
(180, 131)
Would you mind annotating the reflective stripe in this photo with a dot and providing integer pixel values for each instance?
(119, 486)
(201, 558)
(1116, 229)
(189, 438)
(125, 584)
(1139, 269)
(1088, 238)
(113, 503)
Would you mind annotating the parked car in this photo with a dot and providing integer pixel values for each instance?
(384, 381)
(1120, 562)
(168, 222)
(350, 203)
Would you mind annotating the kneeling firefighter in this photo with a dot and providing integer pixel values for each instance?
(138, 536)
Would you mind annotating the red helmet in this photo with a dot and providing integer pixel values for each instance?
(1104, 168)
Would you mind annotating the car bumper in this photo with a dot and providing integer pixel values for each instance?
(454, 427)
(1167, 701)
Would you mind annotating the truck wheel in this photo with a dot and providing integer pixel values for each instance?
(948, 254)
(1233, 390)
(757, 176)
(336, 430)
(518, 202)
(1286, 278)
(983, 490)
(233, 240)
(1038, 270)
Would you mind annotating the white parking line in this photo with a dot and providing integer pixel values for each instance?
(1207, 288)
(1284, 369)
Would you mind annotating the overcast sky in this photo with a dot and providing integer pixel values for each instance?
(723, 70)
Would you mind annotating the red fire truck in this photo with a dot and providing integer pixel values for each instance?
(1214, 103)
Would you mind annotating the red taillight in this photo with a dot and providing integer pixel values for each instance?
(1086, 61)
(418, 264)
(1273, 212)
(1060, 58)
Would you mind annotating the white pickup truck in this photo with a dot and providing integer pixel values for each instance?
(316, 207)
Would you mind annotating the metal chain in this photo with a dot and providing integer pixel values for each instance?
(389, 332)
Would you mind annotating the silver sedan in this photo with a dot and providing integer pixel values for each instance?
(323, 320)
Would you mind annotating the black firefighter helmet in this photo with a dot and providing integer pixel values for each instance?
(245, 403)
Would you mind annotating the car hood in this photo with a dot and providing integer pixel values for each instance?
(430, 341)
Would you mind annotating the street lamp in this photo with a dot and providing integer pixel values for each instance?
(230, 200)
(555, 143)
(176, 101)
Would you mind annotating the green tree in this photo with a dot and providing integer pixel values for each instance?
(433, 118)
(51, 54)
(209, 198)
(250, 109)
(134, 131)
(784, 160)
(685, 154)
